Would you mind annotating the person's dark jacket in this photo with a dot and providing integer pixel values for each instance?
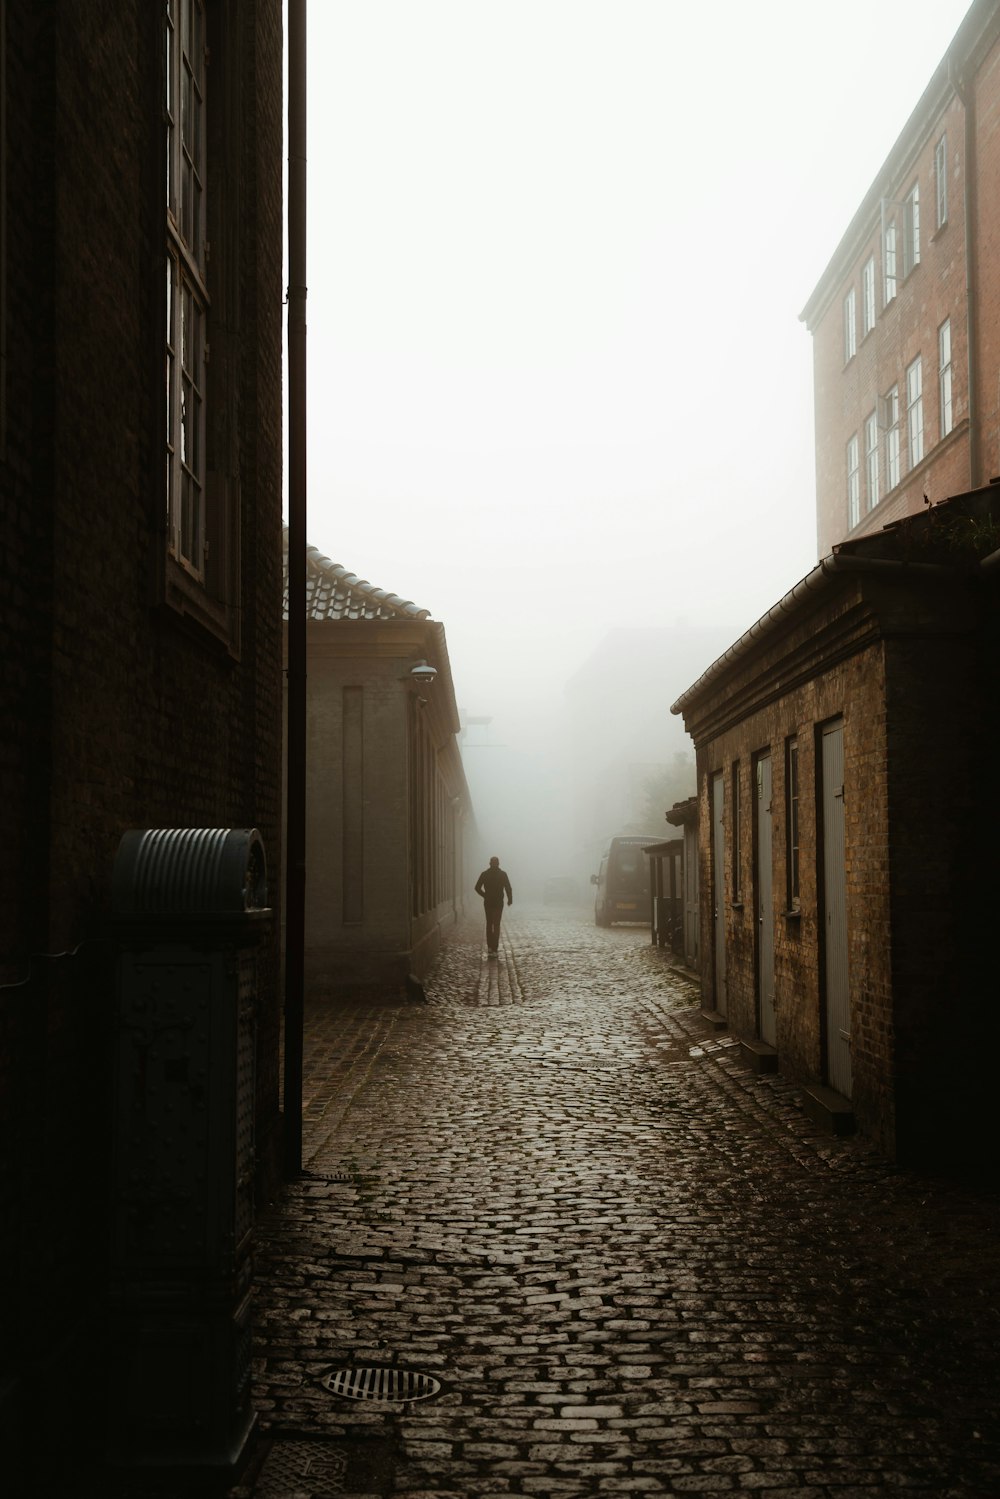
(493, 885)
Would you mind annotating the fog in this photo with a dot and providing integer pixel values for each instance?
(559, 394)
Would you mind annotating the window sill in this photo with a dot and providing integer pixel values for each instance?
(209, 618)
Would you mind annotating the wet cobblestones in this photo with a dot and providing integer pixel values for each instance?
(633, 1265)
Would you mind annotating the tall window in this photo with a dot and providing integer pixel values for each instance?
(915, 412)
(868, 296)
(890, 422)
(792, 820)
(871, 459)
(3, 227)
(889, 261)
(944, 376)
(186, 289)
(853, 483)
(941, 181)
(850, 326)
(911, 229)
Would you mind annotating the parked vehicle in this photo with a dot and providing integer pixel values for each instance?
(623, 880)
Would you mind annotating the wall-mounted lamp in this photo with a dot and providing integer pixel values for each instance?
(423, 674)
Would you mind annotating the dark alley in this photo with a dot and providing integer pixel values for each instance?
(631, 1265)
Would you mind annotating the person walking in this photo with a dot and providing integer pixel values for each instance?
(493, 885)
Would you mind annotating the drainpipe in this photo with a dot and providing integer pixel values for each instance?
(295, 768)
(967, 99)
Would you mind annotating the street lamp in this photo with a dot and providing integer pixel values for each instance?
(423, 674)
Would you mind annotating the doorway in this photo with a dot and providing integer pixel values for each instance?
(719, 890)
(764, 890)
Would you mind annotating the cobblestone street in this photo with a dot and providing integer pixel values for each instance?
(633, 1266)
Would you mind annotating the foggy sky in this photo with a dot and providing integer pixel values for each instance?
(557, 381)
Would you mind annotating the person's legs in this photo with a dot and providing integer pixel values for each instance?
(493, 915)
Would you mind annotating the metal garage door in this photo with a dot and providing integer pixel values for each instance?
(836, 983)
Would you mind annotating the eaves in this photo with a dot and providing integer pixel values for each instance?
(712, 705)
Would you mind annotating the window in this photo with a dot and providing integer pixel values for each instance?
(850, 327)
(889, 261)
(871, 459)
(792, 820)
(868, 296)
(911, 229)
(890, 422)
(915, 412)
(941, 180)
(3, 228)
(944, 376)
(186, 288)
(853, 483)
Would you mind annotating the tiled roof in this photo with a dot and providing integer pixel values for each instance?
(334, 593)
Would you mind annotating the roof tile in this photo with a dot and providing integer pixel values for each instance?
(334, 593)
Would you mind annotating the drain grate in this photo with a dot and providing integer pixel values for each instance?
(380, 1384)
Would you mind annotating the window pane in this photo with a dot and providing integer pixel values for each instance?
(871, 459)
(915, 412)
(891, 422)
(186, 297)
(850, 326)
(911, 230)
(890, 260)
(868, 296)
(941, 180)
(853, 483)
(944, 361)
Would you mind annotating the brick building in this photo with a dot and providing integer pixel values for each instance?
(140, 576)
(848, 833)
(389, 815)
(906, 317)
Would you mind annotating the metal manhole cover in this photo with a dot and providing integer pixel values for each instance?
(384, 1385)
(302, 1467)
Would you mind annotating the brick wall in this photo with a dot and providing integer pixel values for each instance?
(119, 713)
(987, 270)
(906, 663)
(953, 280)
(767, 716)
(905, 328)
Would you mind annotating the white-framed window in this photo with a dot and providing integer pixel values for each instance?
(941, 181)
(890, 424)
(889, 262)
(850, 326)
(911, 229)
(915, 412)
(853, 483)
(187, 300)
(868, 296)
(944, 377)
(871, 460)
